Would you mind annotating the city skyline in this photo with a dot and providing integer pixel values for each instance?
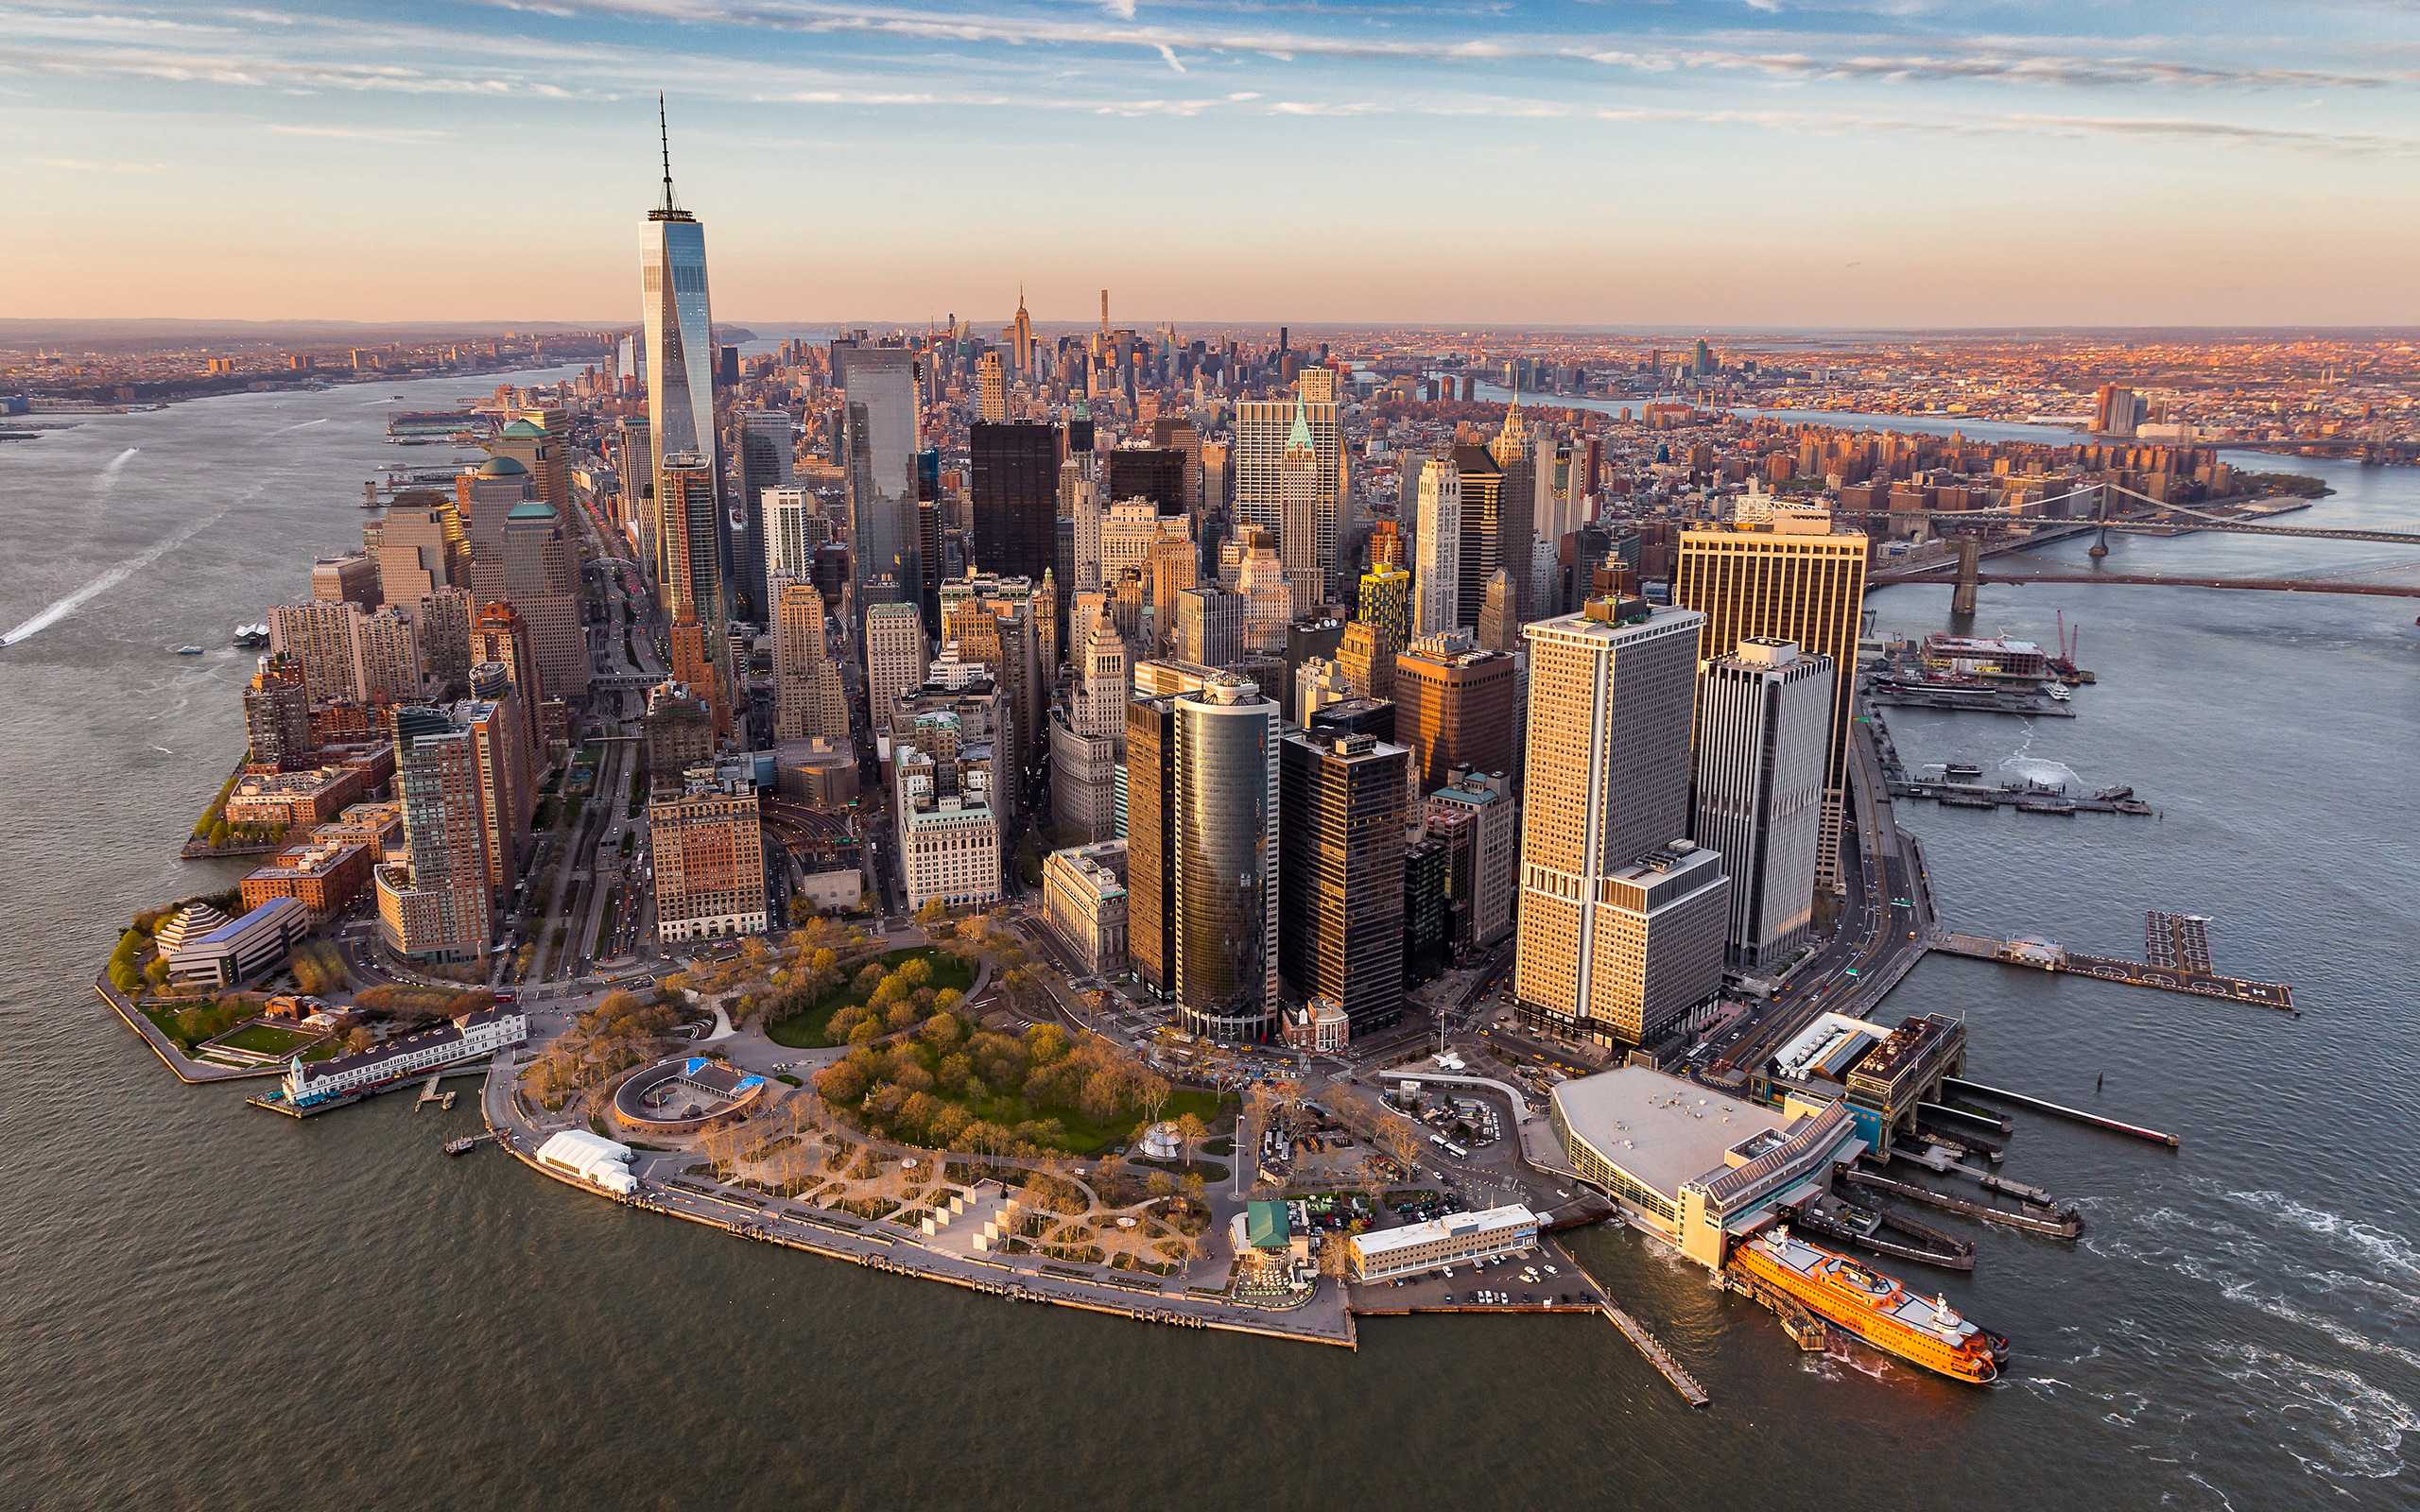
(1818, 166)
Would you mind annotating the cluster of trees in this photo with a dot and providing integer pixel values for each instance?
(420, 1002)
(895, 1001)
(993, 1093)
(621, 1031)
(216, 812)
(318, 969)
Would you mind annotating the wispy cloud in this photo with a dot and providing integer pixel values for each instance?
(400, 135)
(83, 165)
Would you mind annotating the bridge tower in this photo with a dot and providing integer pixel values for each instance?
(1970, 563)
(2101, 538)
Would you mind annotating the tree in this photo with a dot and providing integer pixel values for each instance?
(1190, 1133)
(1400, 1139)
(357, 1041)
(1153, 1093)
(932, 913)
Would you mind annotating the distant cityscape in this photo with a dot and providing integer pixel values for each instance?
(1228, 828)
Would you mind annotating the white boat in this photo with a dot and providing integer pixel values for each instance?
(188, 651)
(2058, 692)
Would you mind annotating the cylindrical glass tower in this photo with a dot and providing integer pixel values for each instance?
(1226, 855)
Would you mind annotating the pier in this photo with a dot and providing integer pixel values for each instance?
(1684, 1383)
(2045, 956)
(2065, 1225)
(2037, 1105)
(2022, 798)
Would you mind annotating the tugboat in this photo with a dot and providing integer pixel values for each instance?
(1873, 1307)
(463, 1145)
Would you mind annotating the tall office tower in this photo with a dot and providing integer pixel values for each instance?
(1129, 601)
(1264, 431)
(539, 578)
(1481, 505)
(501, 770)
(422, 546)
(277, 717)
(1486, 799)
(709, 856)
(1014, 484)
(1386, 543)
(689, 531)
(554, 479)
(1020, 334)
(1298, 535)
(1174, 567)
(1341, 841)
(993, 388)
(1151, 840)
(808, 697)
(1156, 473)
(1516, 460)
(697, 659)
(1088, 732)
(1218, 477)
(1437, 547)
(1800, 578)
(1080, 500)
(895, 657)
(795, 528)
(1620, 924)
(1367, 662)
(2114, 410)
(1226, 860)
(1311, 638)
(1316, 684)
(1209, 626)
(386, 655)
(679, 730)
(765, 449)
(1267, 598)
(883, 432)
(525, 439)
(1454, 707)
(347, 579)
(678, 318)
(1764, 718)
(319, 636)
(1386, 604)
(1176, 432)
(445, 636)
(635, 508)
(437, 906)
(1702, 363)
(1499, 616)
(1356, 717)
(501, 636)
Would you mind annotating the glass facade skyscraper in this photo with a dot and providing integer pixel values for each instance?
(1226, 823)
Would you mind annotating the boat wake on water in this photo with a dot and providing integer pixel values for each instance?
(104, 479)
(59, 609)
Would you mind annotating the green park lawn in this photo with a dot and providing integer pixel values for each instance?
(807, 1030)
(264, 1040)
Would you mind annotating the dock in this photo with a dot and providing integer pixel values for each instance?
(2045, 956)
(2066, 1224)
(428, 1094)
(1684, 1383)
(1810, 1334)
(1976, 1089)
(2024, 799)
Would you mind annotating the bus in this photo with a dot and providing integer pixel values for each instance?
(1456, 1151)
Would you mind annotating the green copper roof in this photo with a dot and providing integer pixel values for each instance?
(522, 430)
(531, 509)
(503, 467)
(1301, 439)
(1264, 1226)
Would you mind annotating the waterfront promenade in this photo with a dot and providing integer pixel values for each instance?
(883, 1246)
(189, 1071)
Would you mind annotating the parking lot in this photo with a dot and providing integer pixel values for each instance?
(1542, 1279)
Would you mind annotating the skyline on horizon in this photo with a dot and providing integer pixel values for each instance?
(1760, 167)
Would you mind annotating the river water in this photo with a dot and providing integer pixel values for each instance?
(205, 1305)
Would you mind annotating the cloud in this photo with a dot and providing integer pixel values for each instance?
(401, 136)
(82, 166)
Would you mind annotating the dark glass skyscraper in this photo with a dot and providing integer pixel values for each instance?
(1015, 487)
(1341, 893)
(1152, 472)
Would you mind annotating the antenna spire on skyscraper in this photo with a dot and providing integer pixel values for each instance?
(670, 207)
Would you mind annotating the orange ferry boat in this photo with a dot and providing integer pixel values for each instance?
(1872, 1306)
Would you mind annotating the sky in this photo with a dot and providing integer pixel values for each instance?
(1729, 164)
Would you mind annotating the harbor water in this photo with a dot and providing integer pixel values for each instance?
(207, 1306)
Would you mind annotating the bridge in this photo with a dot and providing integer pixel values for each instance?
(2159, 518)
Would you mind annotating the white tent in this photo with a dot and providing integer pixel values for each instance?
(591, 1158)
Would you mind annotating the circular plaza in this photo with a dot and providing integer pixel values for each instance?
(685, 1095)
